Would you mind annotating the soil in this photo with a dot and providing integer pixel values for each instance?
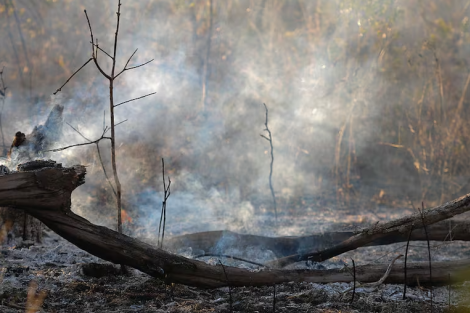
(74, 281)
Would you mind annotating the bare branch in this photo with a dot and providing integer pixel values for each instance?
(135, 99)
(265, 137)
(97, 142)
(132, 67)
(128, 60)
(120, 122)
(98, 47)
(80, 144)
(75, 145)
(60, 89)
(79, 133)
(93, 54)
(101, 70)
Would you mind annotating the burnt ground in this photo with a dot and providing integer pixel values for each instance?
(74, 281)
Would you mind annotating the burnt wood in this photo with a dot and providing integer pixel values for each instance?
(45, 194)
(210, 241)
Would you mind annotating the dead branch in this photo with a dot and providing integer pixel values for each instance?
(82, 144)
(132, 67)
(84, 64)
(135, 99)
(380, 281)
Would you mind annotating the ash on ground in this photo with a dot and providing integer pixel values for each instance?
(75, 281)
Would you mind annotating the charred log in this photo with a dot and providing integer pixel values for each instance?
(45, 194)
(284, 246)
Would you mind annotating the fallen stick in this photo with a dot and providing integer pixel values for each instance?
(380, 281)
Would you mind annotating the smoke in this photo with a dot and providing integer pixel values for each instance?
(330, 72)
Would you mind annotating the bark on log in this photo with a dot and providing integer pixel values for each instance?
(210, 241)
(45, 194)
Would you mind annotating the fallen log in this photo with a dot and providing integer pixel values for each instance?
(25, 148)
(397, 227)
(212, 242)
(45, 194)
(121, 249)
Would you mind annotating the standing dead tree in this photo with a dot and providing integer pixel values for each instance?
(95, 48)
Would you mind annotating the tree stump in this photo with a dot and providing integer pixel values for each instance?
(17, 227)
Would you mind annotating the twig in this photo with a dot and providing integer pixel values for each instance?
(166, 195)
(93, 51)
(135, 99)
(354, 281)
(429, 249)
(80, 144)
(98, 47)
(270, 139)
(105, 129)
(229, 257)
(120, 122)
(78, 132)
(406, 258)
(132, 67)
(93, 54)
(229, 286)
(381, 280)
(60, 88)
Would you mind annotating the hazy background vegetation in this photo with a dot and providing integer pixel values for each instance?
(368, 99)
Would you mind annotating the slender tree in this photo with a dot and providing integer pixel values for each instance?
(95, 49)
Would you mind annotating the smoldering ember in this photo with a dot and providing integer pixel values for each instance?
(234, 156)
